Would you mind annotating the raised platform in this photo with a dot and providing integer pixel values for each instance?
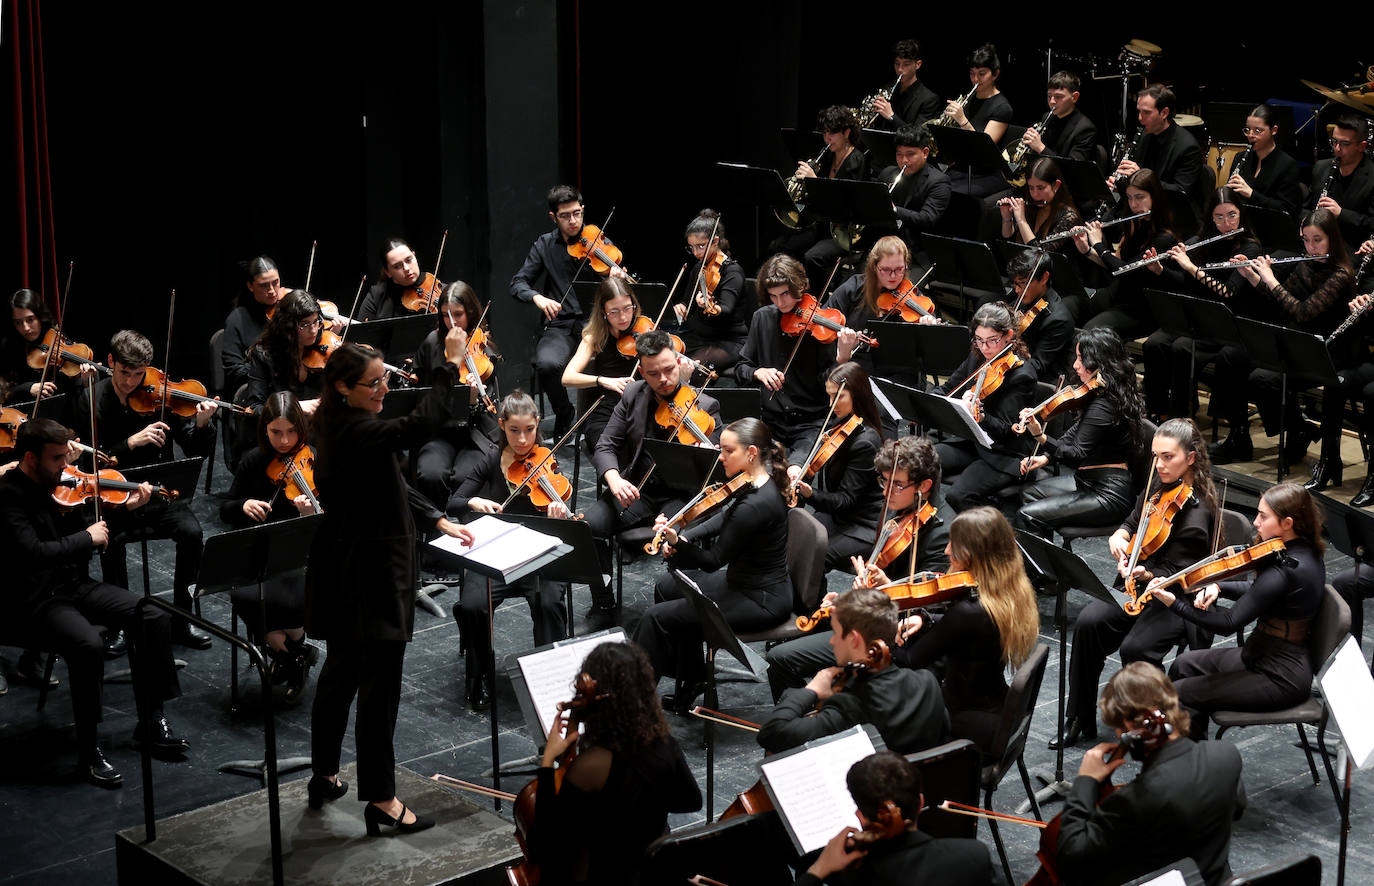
(227, 843)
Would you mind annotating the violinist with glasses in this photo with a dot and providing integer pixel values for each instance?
(715, 315)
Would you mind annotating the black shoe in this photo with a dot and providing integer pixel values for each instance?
(319, 789)
(30, 669)
(192, 637)
(682, 701)
(1326, 472)
(479, 695)
(116, 644)
(1365, 497)
(160, 738)
(99, 772)
(1075, 731)
(1236, 447)
(1299, 439)
(602, 608)
(300, 674)
(376, 818)
(4, 685)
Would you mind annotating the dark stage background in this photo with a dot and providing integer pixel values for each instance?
(179, 150)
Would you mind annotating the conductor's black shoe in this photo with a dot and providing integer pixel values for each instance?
(319, 789)
(1075, 731)
(116, 644)
(99, 772)
(376, 819)
(158, 734)
(479, 695)
(192, 637)
(1236, 447)
(1326, 472)
(1365, 497)
(29, 668)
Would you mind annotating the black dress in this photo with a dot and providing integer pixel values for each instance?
(847, 496)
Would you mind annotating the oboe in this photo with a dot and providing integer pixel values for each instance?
(1330, 177)
(1240, 162)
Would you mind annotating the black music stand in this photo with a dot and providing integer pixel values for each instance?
(253, 556)
(1298, 357)
(843, 202)
(936, 412)
(396, 337)
(968, 147)
(881, 148)
(963, 264)
(682, 468)
(652, 297)
(533, 567)
(915, 350)
(1351, 531)
(755, 186)
(53, 407)
(1085, 181)
(522, 690)
(581, 565)
(1274, 228)
(1198, 319)
(737, 403)
(1061, 570)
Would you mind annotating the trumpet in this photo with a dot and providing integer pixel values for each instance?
(1251, 262)
(1065, 235)
(868, 108)
(947, 119)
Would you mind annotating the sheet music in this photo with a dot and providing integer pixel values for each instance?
(1348, 686)
(884, 402)
(809, 789)
(975, 430)
(549, 673)
(501, 545)
(1168, 878)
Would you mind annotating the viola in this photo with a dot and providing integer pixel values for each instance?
(423, 297)
(538, 472)
(477, 367)
(709, 280)
(10, 420)
(824, 324)
(329, 312)
(705, 501)
(1025, 318)
(906, 302)
(898, 534)
(1221, 565)
(922, 589)
(826, 447)
(77, 487)
(295, 474)
(1152, 532)
(681, 415)
(182, 397)
(61, 355)
(625, 342)
(595, 248)
(1062, 399)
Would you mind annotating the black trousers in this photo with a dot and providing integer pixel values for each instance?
(282, 602)
(1103, 628)
(796, 433)
(1355, 586)
(474, 616)
(176, 522)
(1356, 383)
(1266, 674)
(845, 542)
(791, 665)
(1170, 388)
(371, 671)
(1094, 497)
(972, 481)
(671, 636)
(551, 355)
(441, 465)
(64, 625)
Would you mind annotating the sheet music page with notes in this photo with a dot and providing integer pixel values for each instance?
(808, 787)
(502, 545)
(975, 430)
(549, 673)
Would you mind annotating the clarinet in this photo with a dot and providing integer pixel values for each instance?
(1236, 167)
(1130, 155)
(1358, 312)
(1330, 177)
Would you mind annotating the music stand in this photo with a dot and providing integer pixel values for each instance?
(967, 147)
(1085, 181)
(963, 264)
(533, 567)
(917, 349)
(737, 403)
(682, 468)
(52, 407)
(1273, 227)
(1346, 687)
(935, 411)
(1061, 570)
(1295, 355)
(395, 337)
(881, 148)
(253, 556)
(755, 186)
(581, 565)
(844, 202)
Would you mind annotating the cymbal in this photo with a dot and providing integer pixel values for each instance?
(1143, 47)
(1360, 98)
(1188, 120)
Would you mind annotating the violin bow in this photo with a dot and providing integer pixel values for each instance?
(1138, 544)
(1221, 506)
(552, 451)
(353, 312)
(887, 508)
(310, 268)
(438, 260)
(586, 258)
(801, 337)
(1036, 449)
(485, 791)
(915, 536)
(61, 318)
(984, 367)
(713, 716)
(701, 272)
(167, 356)
(816, 447)
(977, 812)
(95, 458)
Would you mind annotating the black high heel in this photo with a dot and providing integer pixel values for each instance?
(1365, 497)
(375, 818)
(319, 789)
(1075, 730)
(1326, 472)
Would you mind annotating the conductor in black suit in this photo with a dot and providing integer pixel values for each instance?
(887, 790)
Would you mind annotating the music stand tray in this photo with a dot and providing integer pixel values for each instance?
(396, 337)
(960, 263)
(49, 407)
(737, 403)
(845, 202)
(682, 468)
(755, 186)
(182, 475)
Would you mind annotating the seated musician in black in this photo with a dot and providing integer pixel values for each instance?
(913, 103)
(1049, 335)
(30, 323)
(1165, 147)
(908, 473)
(52, 600)
(1068, 133)
(1348, 192)
(904, 705)
(1185, 797)
(276, 361)
(400, 273)
(485, 491)
(1180, 459)
(922, 190)
(137, 439)
(262, 290)
(859, 297)
(989, 112)
(1048, 209)
(973, 472)
(713, 339)
(1266, 176)
(886, 786)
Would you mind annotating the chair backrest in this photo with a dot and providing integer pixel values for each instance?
(948, 772)
(1329, 628)
(1017, 710)
(1235, 529)
(216, 367)
(1297, 870)
(1144, 461)
(744, 849)
(807, 541)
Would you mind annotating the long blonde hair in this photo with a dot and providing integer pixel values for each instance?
(983, 539)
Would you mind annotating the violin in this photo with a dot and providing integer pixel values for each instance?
(688, 421)
(182, 397)
(906, 302)
(828, 444)
(477, 367)
(295, 474)
(898, 534)
(878, 657)
(989, 377)
(1157, 516)
(824, 324)
(1025, 318)
(1221, 565)
(707, 283)
(919, 590)
(329, 312)
(705, 501)
(625, 342)
(538, 471)
(423, 297)
(595, 248)
(887, 825)
(10, 420)
(316, 355)
(1061, 399)
(62, 355)
(77, 487)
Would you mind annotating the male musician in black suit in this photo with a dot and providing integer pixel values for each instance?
(921, 195)
(914, 102)
(1350, 194)
(1164, 147)
(137, 439)
(1050, 335)
(1068, 133)
(886, 786)
(1185, 797)
(906, 706)
(545, 281)
(620, 459)
(51, 599)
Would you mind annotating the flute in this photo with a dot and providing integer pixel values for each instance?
(1163, 255)
(1251, 262)
(1064, 235)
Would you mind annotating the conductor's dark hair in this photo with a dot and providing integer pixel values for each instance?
(912, 137)
(882, 777)
(345, 366)
(36, 433)
(985, 56)
(560, 194)
(907, 49)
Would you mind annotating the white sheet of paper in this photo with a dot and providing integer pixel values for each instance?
(975, 429)
(1169, 878)
(549, 673)
(810, 789)
(1348, 688)
(499, 544)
